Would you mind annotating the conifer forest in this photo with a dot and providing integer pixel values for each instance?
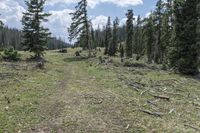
(129, 73)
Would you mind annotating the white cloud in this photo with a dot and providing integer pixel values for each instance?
(100, 21)
(147, 14)
(93, 3)
(11, 13)
(59, 22)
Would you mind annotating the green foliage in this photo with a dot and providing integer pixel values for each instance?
(11, 55)
(138, 44)
(80, 26)
(113, 46)
(121, 50)
(108, 36)
(185, 56)
(134, 64)
(149, 38)
(129, 33)
(1, 23)
(35, 35)
(63, 50)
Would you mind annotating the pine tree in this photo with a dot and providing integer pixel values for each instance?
(129, 33)
(185, 56)
(113, 47)
(138, 45)
(198, 28)
(149, 38)
(108, 36)
(121, 50)
(167, 31)
(34, 34)
(93, 42)
(80, 27)
(1, 23)
(158, 21)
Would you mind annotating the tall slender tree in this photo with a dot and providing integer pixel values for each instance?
(129, 33)
(158, 21)
(113, 47)
(149, 32)
(1, 23)
(35, 36)
(108, 36)
(80, 27)
(198, 27)
(121, 50)
(138, 45)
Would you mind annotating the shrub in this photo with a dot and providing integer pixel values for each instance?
(11, 55)
(63, 50)
(134, 64)
(77, 53)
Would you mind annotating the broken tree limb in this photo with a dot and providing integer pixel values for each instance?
(152, 103)
(157, 114)
(193, 127)
(143, 92)
(160, 96)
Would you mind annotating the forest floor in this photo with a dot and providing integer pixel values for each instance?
(79, 95)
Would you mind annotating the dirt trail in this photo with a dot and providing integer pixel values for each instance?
(89, 99)
(81, 104)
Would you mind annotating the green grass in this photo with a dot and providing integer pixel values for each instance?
(79, 95)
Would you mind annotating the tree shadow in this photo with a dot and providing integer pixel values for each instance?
(75, 59)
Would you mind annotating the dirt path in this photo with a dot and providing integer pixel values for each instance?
(90, 98)
(82, 104)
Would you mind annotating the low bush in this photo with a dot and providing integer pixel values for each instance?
(63, 50)
(10, 55)
(134, 64)
(77, 53)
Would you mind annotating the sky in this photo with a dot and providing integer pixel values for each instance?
(98, 12)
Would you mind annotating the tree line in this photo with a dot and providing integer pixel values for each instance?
(170, 35)
(16, 38)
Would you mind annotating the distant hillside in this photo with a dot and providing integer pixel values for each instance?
(12, 38)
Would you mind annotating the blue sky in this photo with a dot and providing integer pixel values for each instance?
(98, 11)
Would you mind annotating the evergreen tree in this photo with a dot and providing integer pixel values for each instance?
(138, 45)
(93, 42)
(1, 23)
(167, 31)
(80, 27)
(149, 38)
(185, 55)
(34, 34)
(121, 49)
(198, 28)
(113, 47)
(129, 33)
(158, 21)
(108, 36)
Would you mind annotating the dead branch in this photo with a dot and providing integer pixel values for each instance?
(152, 103)
(157, 114)
(171, 111)
(143, 92)
(191, 126)
(160, 96)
